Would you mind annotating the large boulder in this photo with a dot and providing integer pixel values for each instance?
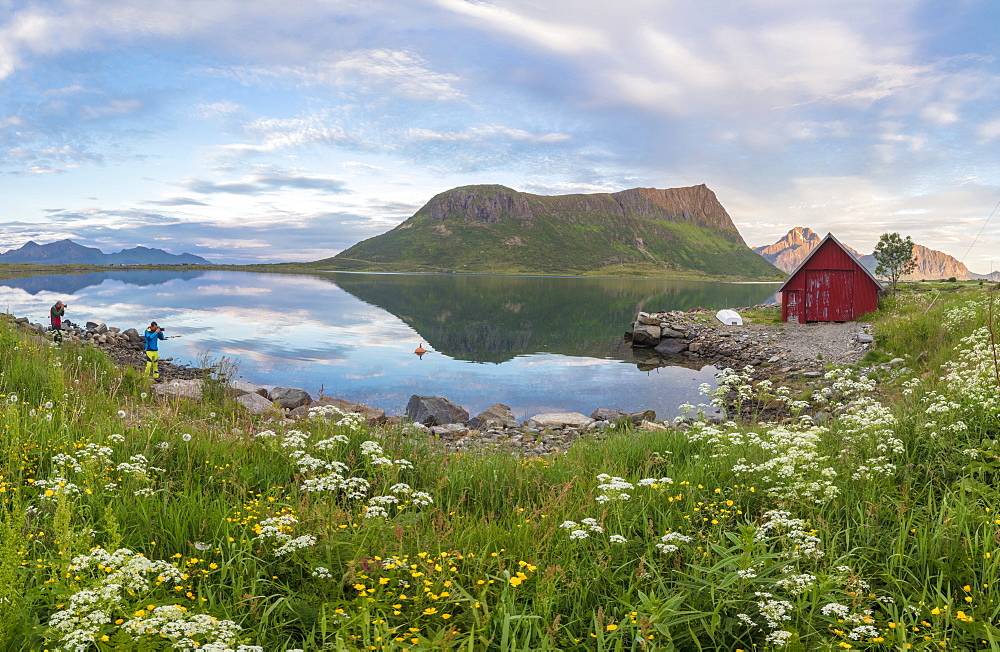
(608, 414)
(289, 397)
(671, 347)
(255, 403)
(642, 415)
(241, 387)
(559, 420)
(434, 410)
(497, 415)
(132, 335)
(179, 389)
(648, 320)
(646, 335)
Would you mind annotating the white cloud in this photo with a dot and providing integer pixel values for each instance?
(221, 109)
(989, 131)
(486, 132)
(556, 34)
(276, 134)
(401, 73)
(112, 108)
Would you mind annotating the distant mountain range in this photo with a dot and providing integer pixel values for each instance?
(66, 252)
(788, 253)
(494, 229)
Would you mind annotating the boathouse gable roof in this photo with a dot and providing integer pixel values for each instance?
(805, 262)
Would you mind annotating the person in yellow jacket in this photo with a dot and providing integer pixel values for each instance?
(153, 336)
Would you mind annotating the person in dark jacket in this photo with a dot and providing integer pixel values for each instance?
(153, 336)
(56, 314)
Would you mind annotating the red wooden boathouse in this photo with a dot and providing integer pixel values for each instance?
(829, 285)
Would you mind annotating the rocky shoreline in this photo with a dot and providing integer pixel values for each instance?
(776, 351)
(658, 339)
(448, 423)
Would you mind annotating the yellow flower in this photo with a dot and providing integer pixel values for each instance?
(430, 611)
(516, 581)
(612, 627)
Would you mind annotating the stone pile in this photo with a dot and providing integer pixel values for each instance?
(496, 426)
(671, 338)
(125, 347)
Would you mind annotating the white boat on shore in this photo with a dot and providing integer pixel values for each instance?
(729, 317)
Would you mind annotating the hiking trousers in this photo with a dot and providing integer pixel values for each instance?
(152, 366)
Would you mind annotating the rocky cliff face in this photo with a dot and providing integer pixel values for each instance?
(788, 253)
(937, 264)
(492, 204)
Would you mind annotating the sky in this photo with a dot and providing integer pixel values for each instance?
(264, 131)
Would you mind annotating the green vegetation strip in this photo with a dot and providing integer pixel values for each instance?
(132, 524)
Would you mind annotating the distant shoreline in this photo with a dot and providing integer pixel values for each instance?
(17, 270)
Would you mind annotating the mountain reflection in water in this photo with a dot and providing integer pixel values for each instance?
(553, 344)
(494, 319)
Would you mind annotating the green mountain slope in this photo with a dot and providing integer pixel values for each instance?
(497, 230)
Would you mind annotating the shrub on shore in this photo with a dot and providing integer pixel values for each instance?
(129, 524)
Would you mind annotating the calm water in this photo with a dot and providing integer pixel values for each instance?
(536, 344)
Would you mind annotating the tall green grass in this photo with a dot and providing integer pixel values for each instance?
(748, 536)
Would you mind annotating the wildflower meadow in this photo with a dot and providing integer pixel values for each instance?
(866, 515)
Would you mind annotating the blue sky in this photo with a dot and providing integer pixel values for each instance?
(263, 131)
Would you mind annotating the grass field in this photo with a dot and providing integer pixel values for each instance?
(135, 525)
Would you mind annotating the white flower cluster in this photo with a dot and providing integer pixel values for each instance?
(613, 488)
(796, 584)
(739, 392)
(57, 485)
(378, 506)
(278, 530)
(973, 394)
(869, 431)
(138, 465)
(114, 579)
(92, 455)
(350, 420)
(185, 629)
(794, 467)
(654, 482)
(667, 541)
(774, 613)
(835, 610)
(327, 475)
(373, 450)
(584, 528)
(963, 313)
(791, 534)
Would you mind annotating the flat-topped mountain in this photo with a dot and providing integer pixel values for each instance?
(495, 229)
(66, 252)
(788, 253)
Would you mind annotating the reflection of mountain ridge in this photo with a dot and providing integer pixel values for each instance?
(73, 283)
(494, 319)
